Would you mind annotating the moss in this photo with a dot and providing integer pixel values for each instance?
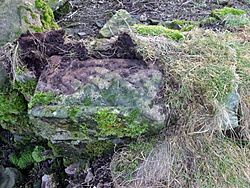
(26, 20)
(27, 88)
(39, 154)
(221, 13)
(87, 101)
(36, 28)
(99, 149)
(182, 25)
(158, 31)
(73, 111)
(110, 123)
(41, 98)
(13, 110)
(48, 19)
(56, 149)
(23, 159)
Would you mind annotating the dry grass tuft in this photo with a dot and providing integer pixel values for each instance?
(202, 72)
(189, 161)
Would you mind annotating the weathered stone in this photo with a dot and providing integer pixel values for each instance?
(121, 22)
(49, 181)
(8, 177)
(3, 76)
(17, 16)
(231, 119)
(81, 101)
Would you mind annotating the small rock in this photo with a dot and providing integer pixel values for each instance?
(48, 181)
(72, 169)
(143, 17)
(8, 177)
(82, 34)
(121, 22)
(89, 177)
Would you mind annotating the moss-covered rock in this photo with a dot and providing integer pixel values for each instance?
(19, 16)
(113, 103)
(119, 23)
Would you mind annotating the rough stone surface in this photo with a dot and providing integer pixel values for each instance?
(3, 76)
(79, 90)
(119, 23)
(16, 16)
(8, 177)
(232, 108)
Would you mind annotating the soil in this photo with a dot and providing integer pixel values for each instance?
(36, 48)
(88, 16)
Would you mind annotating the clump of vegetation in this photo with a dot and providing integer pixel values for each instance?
(23, 159)
(29, 156)
(110, 123)
(99, 148)
(48, 19)
(13, 111)
(232, 21)
(127, 161)
(41, 98)
(185, 161)
(222, 13)
(27, 88)
(39, 154)
(201, 75)
(152, 30)
(182, 25)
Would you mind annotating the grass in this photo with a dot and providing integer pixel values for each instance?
(220, 13)
(201, 72)
(182, 161)
(152, 30)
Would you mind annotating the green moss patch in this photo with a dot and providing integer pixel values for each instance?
(22, 160)
(110, 123)
(151, 30)
(41, 98)
(27, 88)
(48, 19)
(13, 111)
(221, 13)
(40, 154)
(182, 25)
